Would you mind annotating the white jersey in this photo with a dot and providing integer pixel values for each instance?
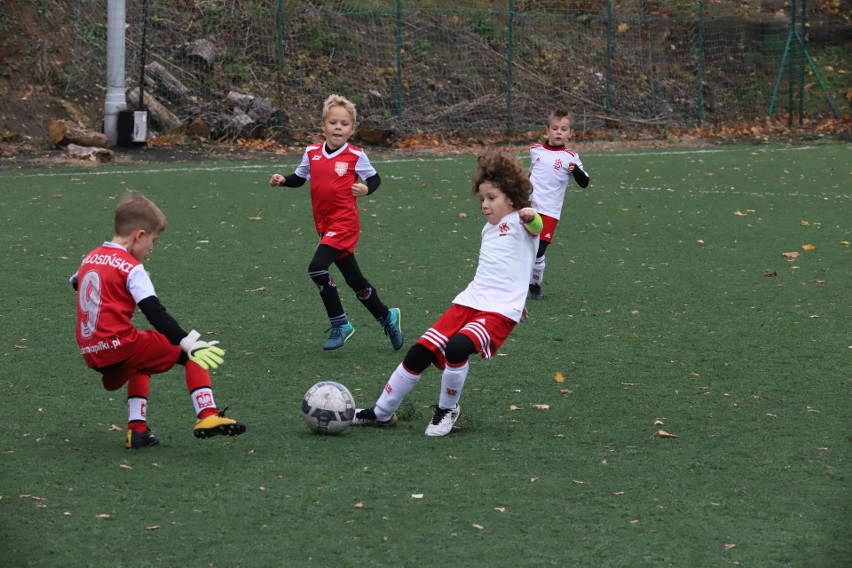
(502, 277)
(549, 176)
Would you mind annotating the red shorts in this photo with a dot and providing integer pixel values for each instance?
(152, 353)
(487, 331)
(343, 240)
(549, 228)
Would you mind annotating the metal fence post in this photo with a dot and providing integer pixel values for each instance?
(699, 111)
(280, 47)
(608, 57)
(399, 63)
(509, 63)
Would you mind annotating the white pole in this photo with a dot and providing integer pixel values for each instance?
(115, 97)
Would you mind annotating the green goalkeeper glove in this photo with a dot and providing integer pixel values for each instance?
(205, 355)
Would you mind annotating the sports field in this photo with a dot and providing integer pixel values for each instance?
(704, 419)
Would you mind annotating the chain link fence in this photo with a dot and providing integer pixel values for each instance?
(261, 68)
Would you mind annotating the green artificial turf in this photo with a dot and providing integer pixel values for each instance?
(669, 309)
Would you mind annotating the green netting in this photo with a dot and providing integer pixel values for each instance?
(464, 67)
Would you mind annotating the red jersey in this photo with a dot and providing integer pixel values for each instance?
(110, 283)
(332, 177)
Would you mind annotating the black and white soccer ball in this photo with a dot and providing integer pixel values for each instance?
(328, 408)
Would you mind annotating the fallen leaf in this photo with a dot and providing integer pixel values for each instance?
(664, 434)
(808, 247)
(417, 496)
(578, 482)
(359, 505)
(658, 422)
(565, 391)
(804, 223)
(477, 526)
(693, 374)
(793, 254)
(729, 546)
(462, 215)
(541, 406)
(513, 407)
(619, 493)
(500, 509)
(772, 274)
(559, 377)
(124, 466)
(633, 522)
(103, 515)
(152, 528)
(739, 214)
(533, 479)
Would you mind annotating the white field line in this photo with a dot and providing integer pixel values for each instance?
(285, 166)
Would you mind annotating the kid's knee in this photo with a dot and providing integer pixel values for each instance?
(418, 358)
(459, 348)
(319, 277)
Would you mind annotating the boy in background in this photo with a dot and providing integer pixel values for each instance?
(551, 168)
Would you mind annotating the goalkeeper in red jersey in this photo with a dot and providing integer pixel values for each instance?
(110, 284)
(335, 168)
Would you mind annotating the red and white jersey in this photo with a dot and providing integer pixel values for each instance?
(110, 283)
(549, 176)
(502, 276)
(332, 177)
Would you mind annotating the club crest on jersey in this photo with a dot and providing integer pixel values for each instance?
(340, 168)
(557, 165)
(504, 229)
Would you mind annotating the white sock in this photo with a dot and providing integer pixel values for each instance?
(538, 271)
(399, 385)
(202, 398)
(137, 409)
(452, 383)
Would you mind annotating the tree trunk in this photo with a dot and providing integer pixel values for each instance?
(162, 116)
(64, 132)
(93, 154)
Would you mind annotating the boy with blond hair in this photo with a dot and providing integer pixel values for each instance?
(336, 170)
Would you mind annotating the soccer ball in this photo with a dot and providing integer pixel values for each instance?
(328, 408)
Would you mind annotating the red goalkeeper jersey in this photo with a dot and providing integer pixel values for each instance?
(110, 283)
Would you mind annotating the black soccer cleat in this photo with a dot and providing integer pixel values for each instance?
(535, 292)
(135, 440)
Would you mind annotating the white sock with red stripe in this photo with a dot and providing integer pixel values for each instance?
(202, 400)
(399, 385)
(452, 383)
(137, 413)
(538, 271)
